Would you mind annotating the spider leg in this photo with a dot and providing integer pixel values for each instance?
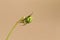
(22, 20)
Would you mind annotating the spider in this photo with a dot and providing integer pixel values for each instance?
(26, 20)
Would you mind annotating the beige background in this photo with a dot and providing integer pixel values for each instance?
(45, 24)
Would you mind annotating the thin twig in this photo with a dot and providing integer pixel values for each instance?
(11, 31)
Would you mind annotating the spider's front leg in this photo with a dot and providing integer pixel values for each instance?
(21, 20)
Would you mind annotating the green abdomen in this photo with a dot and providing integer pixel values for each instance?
(28, 20)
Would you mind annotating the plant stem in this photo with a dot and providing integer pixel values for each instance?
(11, 31)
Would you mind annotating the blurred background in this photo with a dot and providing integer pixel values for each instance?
(45, 24)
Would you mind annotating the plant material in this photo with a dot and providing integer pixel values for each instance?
(24, 20)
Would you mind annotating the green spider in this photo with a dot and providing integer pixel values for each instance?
(26, 20)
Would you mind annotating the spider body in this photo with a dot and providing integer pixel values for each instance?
(26, 20)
